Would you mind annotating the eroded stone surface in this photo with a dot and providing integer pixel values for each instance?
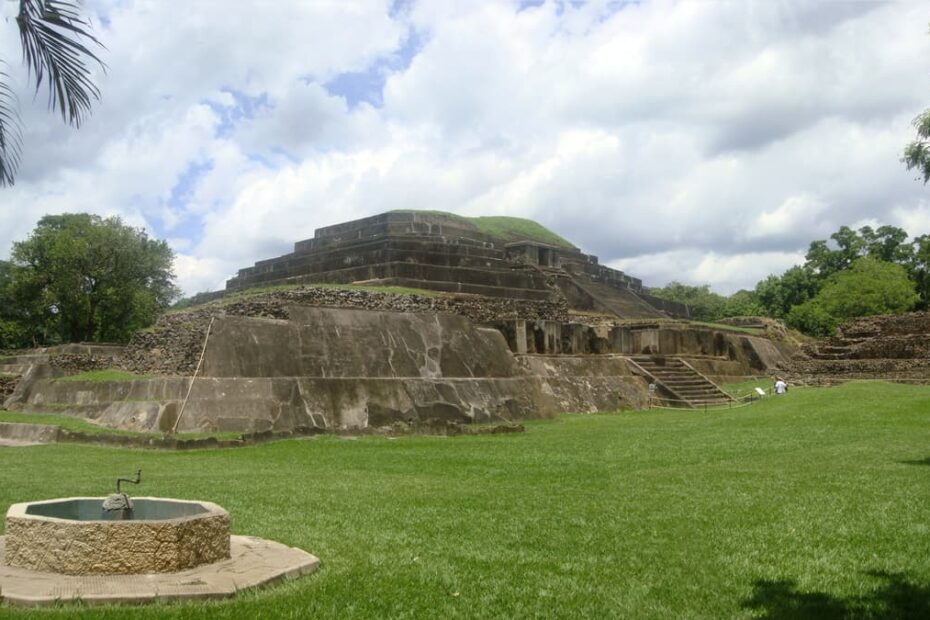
(115, 547)
(891, 347)
(253, 562)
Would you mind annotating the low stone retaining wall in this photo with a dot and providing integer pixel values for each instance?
(828, 372)
(28, 433)
(54, 434)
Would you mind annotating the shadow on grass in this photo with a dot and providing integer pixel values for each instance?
(925, 461)
(898, 597)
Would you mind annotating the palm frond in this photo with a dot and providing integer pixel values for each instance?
(11, 140)
(52, 34)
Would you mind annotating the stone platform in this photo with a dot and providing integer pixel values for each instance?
(255, 562)
(888, 347)
(443, 252)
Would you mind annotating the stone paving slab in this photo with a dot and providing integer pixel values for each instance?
(255, 562)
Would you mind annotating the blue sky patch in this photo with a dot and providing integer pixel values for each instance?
(368, 85)
(189, 226)
(243, 108)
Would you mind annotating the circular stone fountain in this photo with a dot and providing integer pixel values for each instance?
(156, 548)
(76, 536)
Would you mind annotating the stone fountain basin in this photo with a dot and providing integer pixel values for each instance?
(74, 536)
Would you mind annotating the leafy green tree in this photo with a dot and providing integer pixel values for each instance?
(53, 36)
(84, 278)
(13, 331)
(743, 303)
(868, 287)
(917, 152)
(825, 261)
(919, 268)
(705, 305)
(778, 294)
(887, 243)
(812, 319)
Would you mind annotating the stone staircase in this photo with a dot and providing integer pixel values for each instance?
(680, 385)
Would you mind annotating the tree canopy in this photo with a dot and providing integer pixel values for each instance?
(917, 152)
(851, 273)
(80, 277)
(868, 287)
(705, 305)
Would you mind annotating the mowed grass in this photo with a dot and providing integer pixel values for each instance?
(814, 504)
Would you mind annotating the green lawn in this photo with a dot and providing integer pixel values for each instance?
(748, 388)
(815, 504)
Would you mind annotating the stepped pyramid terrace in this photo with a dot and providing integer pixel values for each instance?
(496, 257)
(404, 319)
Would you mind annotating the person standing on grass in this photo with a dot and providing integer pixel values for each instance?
(780, 386)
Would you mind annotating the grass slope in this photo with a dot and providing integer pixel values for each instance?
(808, 505)
(504, 228)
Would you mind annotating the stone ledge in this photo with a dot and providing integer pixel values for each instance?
(28, 434)
(255, 562)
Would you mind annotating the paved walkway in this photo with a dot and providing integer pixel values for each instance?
(255, 562)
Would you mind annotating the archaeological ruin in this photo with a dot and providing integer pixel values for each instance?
(886, 347)
(499, 320)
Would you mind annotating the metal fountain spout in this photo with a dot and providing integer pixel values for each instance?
(119, 501)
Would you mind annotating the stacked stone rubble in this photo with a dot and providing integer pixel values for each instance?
(892, 347)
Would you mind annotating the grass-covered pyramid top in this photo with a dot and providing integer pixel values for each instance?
(503, 228)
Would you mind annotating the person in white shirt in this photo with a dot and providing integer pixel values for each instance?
(780, 386)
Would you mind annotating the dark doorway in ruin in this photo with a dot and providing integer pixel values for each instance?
(545, 257)
(539, 337)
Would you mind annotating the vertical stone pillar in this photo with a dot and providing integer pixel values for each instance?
(520, 333)
(620, 341)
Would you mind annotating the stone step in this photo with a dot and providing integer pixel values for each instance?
(690, 387)
(690, 384)
(829, 356)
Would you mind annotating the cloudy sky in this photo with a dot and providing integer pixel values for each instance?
(704, 141)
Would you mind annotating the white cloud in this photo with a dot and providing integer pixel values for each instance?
(699, 141)
(796, 212)
(726, 273)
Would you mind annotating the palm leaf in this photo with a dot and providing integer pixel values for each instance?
(11, 142)
(52, 34)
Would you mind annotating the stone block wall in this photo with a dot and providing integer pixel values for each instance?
(441, 252)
